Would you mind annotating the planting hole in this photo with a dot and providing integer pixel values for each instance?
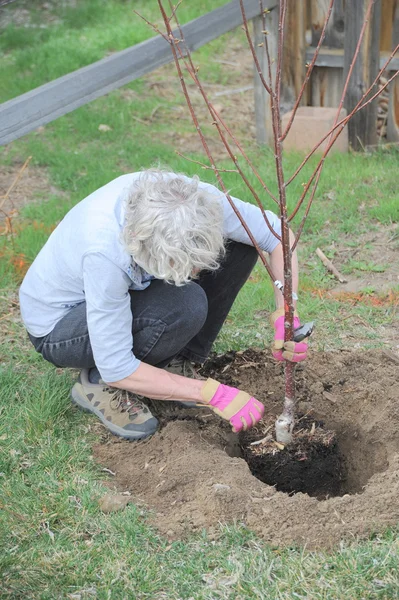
(192, 475)
(312, 464)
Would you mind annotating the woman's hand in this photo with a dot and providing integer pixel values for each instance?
(237, 407)
(293, 351)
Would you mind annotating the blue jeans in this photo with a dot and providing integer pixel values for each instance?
(168, 320)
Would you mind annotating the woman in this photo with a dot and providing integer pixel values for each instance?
(133, 286)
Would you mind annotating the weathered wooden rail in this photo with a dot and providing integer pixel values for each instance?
(61, 96)
(48, 102)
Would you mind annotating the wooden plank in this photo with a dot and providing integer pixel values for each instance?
(393, 109)
(294, 63)
(362, 127)
(334, 57)
(326, 83)
(326, 86)
(263, 117)
(61, 96)
(388, 12)
(335, 28)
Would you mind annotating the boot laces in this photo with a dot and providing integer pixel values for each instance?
(183, 366)
(124, 401)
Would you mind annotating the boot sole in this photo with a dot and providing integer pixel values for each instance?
(115, 429)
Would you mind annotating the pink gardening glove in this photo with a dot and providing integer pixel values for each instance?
(232, 404)
(293, 351)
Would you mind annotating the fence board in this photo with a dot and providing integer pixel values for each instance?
(334, 57)
(362, 127)
(61, 96)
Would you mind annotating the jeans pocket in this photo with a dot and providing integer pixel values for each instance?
(146, 334)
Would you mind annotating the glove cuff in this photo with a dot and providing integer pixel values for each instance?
(209, 389)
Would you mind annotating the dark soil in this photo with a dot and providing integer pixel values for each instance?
(192, 475)
(311, 464)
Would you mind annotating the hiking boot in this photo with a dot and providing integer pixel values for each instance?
(184, 367)
(122, 412)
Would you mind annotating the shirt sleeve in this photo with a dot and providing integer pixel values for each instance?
(252, 215)
(109, 317)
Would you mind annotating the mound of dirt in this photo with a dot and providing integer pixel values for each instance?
(191, 474)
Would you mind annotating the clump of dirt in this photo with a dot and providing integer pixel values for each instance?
(192, 474)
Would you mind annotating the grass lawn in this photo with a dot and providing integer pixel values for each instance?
(54, 540)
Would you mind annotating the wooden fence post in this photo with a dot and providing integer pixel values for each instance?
(263, 118)
(294, 60)
(327, 81)
(294, 63)
(393, 110)
(362, 127)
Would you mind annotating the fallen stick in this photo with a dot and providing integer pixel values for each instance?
(327, 263)
(391, 356)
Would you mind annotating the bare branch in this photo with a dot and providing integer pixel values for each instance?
(153, 26)
(204, 142)
(281, 26)
(203, 165)
(255, 172)
(251, 45)
(345, 120)
(216, 119)
(355, 56)
(309, 71)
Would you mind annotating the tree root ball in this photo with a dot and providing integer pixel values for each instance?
(311, 464)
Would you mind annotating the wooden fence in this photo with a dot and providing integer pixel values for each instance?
(61, 96)
(46, 103)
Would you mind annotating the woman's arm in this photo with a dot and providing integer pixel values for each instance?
(159, 384)
(277, 266)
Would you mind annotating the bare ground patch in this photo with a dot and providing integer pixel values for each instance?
(31, 186)
(191, 474)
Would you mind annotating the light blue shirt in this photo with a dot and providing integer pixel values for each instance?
(84, 260)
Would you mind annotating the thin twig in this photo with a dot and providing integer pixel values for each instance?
(309, 71)
(252, 48)
(14, 183)
(255, 172)
(216, 119)
(5, 316)
(359, 106)
(204, 166)
(171, 41)
(280, 48)
(332, 139)
(327, 263)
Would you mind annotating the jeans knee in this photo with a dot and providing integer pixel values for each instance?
(195, 310)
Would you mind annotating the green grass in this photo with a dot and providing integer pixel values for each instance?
(55, 541)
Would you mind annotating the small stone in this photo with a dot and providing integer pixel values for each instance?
(220, 488)
(113, 502)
